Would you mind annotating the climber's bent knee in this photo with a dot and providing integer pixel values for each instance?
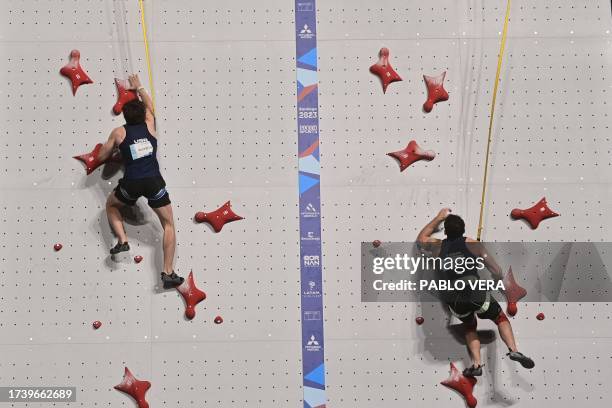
(493, 312)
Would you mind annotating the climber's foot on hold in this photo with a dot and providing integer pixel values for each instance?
(473, 371)
(171, 280)
(120, 247)
(521, 358)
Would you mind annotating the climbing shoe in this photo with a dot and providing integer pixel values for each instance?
(521, 358)
(120, 248)
(473, 371)
(172, 280)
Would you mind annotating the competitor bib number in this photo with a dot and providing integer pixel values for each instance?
(141, 149)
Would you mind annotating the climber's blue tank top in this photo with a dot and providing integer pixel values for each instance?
(139, 152)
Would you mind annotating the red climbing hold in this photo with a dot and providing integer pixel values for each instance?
(74, 72)
(462, 384)
(97, 324)
(376, 243)
(419, 320)
(218, 320)
(435, 91)
(191, 294)
(91, 159)
(513, 292)
(540, 316)
(124, 95)
(384, 70)
(58, 246)
(412, 153)
(138, 258)
(135, 388)
(218, 218)
(534, 215)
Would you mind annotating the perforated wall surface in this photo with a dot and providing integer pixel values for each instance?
(225, 92)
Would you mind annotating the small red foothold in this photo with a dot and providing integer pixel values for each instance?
(97, 324)
(124, 95)
(218, 320)
(540, 316)
(75, 72)
(384, 70)
(462, 384)
(534, 215)
(513, 292)
(435, 91)
(137, 258)
(135, 388)
(376, 243)
(191, 294)
(218, 218)
(419, 320)
(91, 159)
(58, 246)
(412, 153)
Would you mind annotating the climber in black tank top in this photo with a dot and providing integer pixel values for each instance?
(137, 143)
(467, 304)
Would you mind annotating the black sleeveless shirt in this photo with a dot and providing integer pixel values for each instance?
(456, 248)
(139, 152)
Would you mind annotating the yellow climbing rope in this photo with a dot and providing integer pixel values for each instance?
(146, 44)
(500, 58)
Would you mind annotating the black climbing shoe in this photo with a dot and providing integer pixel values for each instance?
(473, 371)
(172, 280)
(120, 248)
(521, 358)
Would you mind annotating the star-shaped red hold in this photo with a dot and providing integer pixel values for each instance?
(91, 159)
(218, 218)
(435, 91)
(412, 153)
(513, 292)
(75, 72)
(384, 70)
(191, 294)
(462, 384)
(135, 388)
(124, 95)
(534, 215)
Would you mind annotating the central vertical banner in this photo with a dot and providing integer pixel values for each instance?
(313, 362)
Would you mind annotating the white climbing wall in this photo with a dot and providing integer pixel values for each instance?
(225, 81)
(551, 138)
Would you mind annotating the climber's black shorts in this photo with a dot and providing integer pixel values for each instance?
(153, 188)
(467, 302)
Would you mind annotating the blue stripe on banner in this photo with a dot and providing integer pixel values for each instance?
(313, 362)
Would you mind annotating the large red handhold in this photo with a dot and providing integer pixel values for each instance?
(534, 215)
(91, 159)
(435, 91)
(513, 292)
(75, 72)
(124, 95)
(384, 70)
(412, 153)
(191, 294)
(462, 384)
(218, 218)
(135, 388)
